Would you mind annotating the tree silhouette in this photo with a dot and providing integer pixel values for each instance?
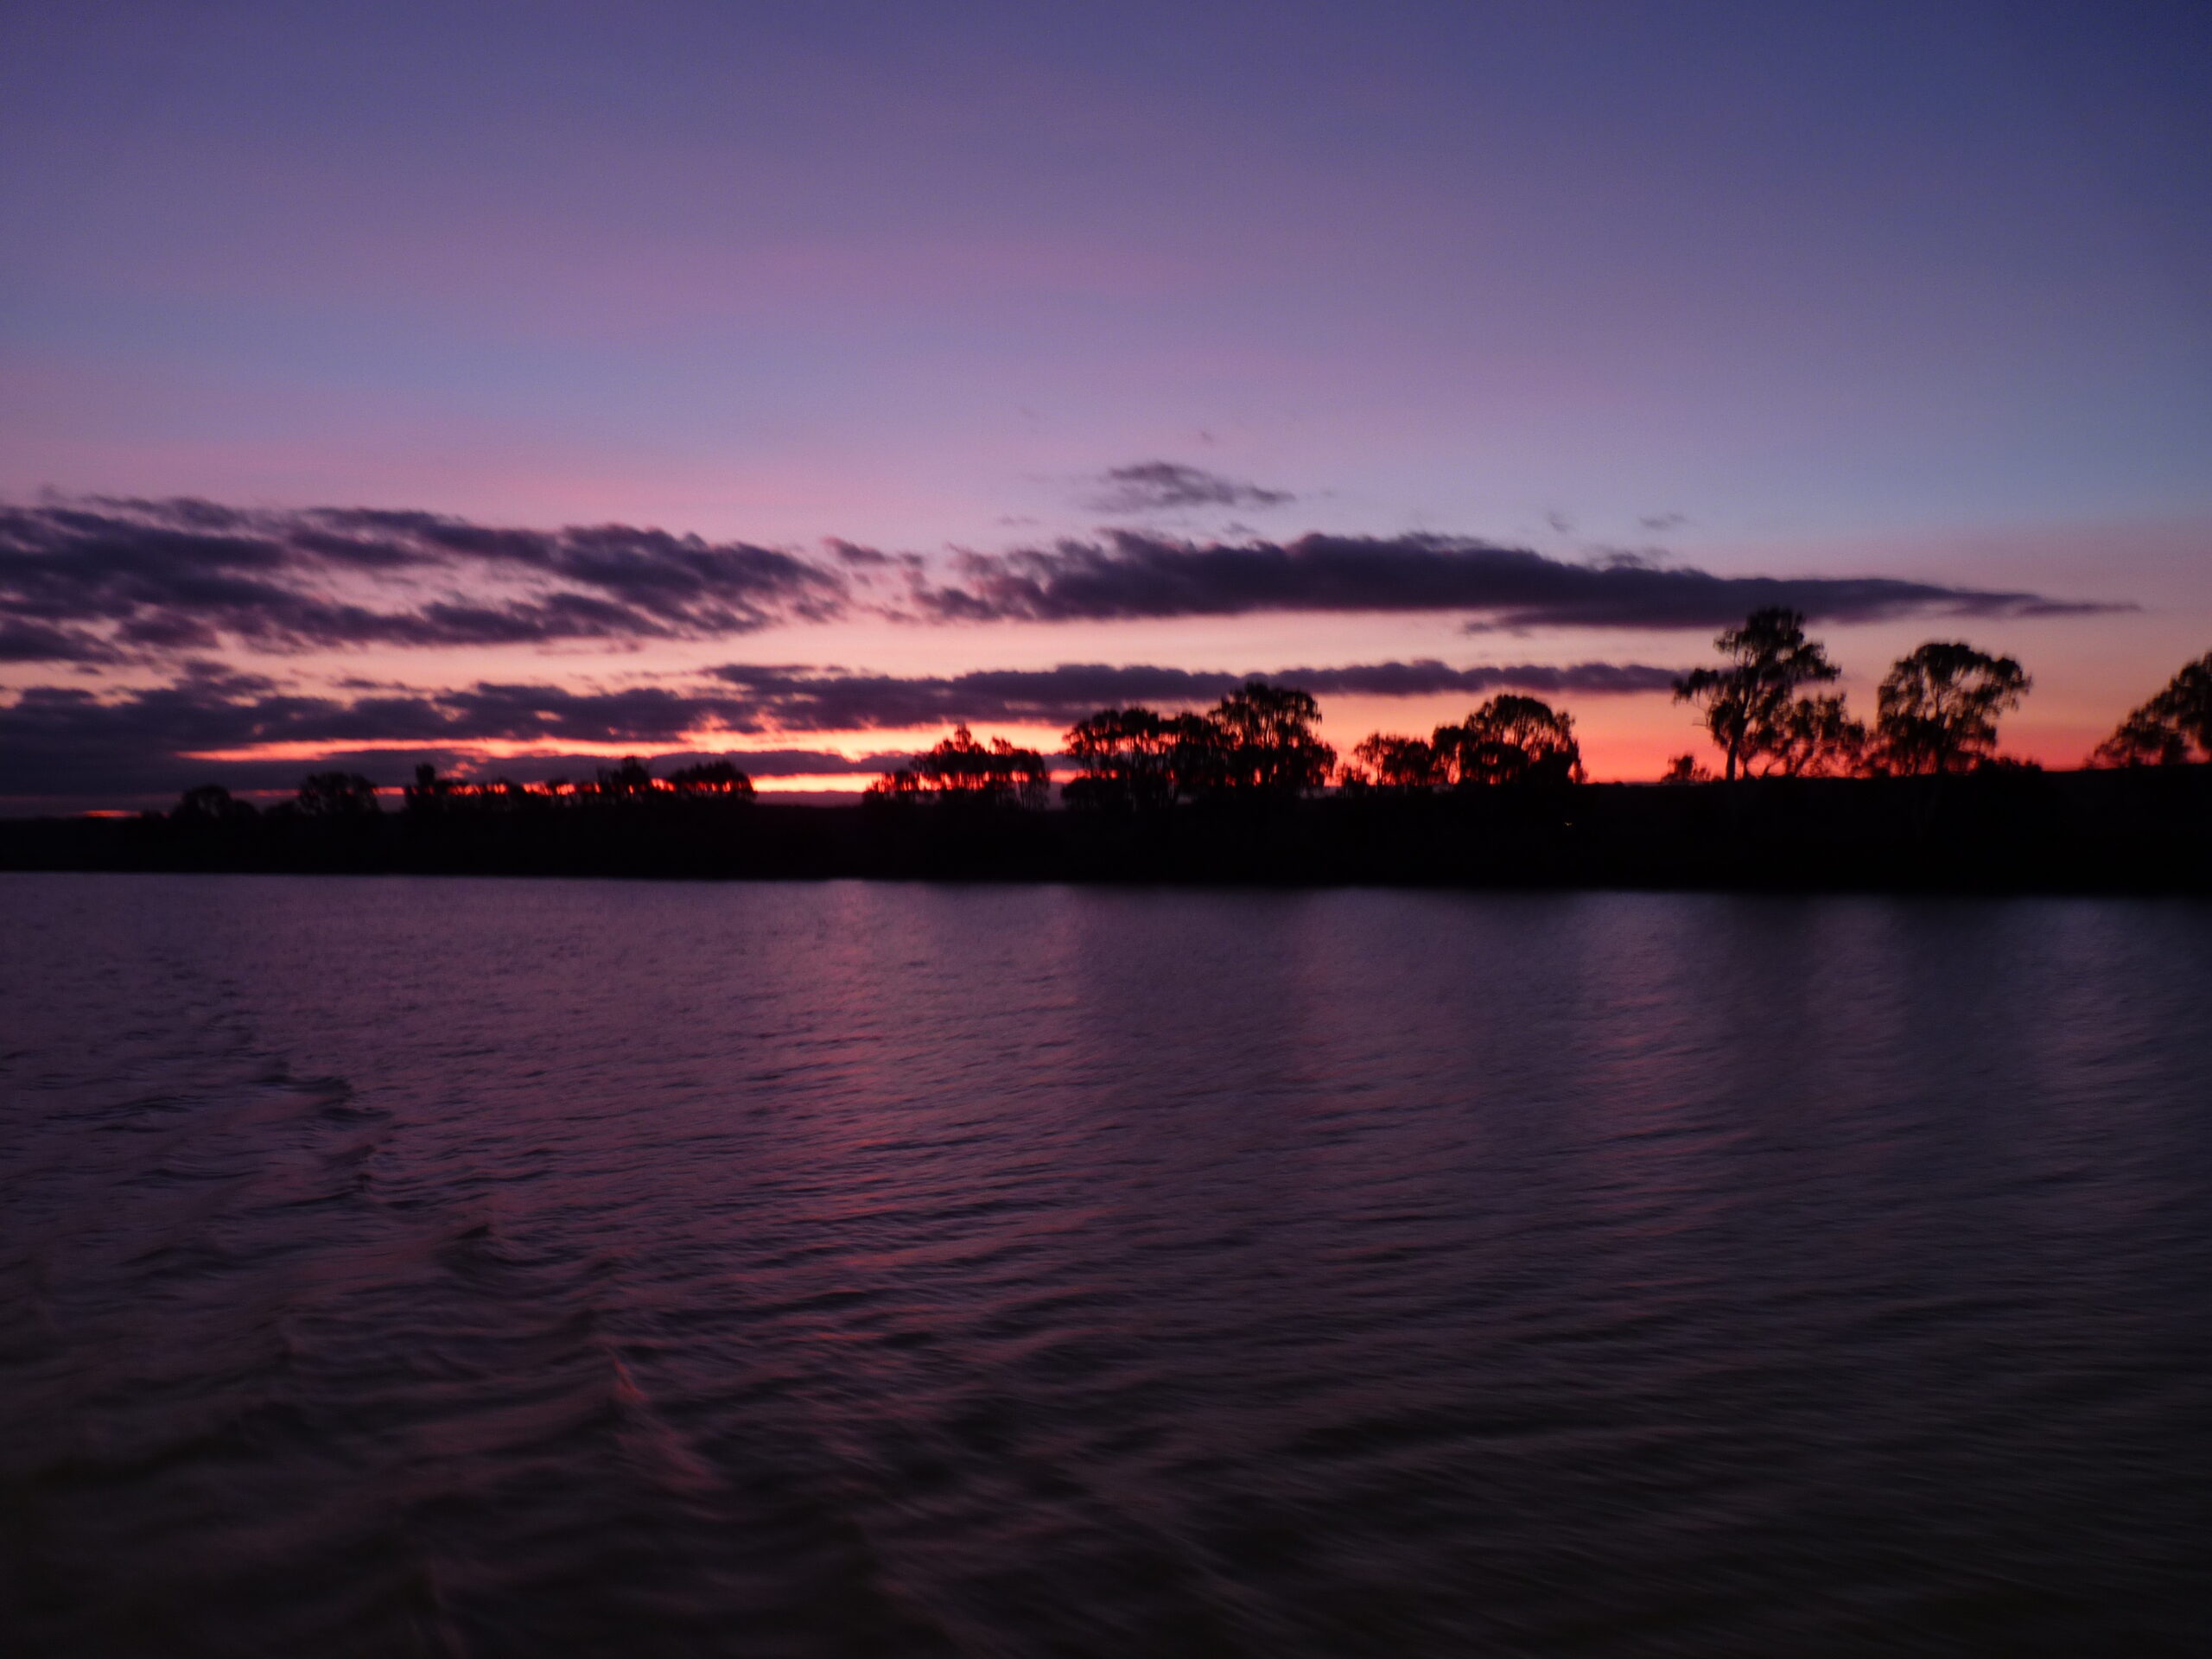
(960, 770)
(1815, 737)
(1257, 741)
(1749, 705)
(2169, 729)
(1267, 744)
(1686, 769)
(337, 795)
(1130, 758)
(211, 803)
(429, 793)
(1937, 709)
(1386, 761)
(1510, 740)
(631, 781)
(715, 778)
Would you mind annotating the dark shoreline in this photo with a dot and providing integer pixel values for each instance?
(2142, 831)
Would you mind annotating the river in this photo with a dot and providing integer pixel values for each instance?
(520, 1269)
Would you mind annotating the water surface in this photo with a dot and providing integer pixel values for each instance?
(510, 1268)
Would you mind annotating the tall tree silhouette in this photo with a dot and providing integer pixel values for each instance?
(1937, 709)
(1749, 704)
(2171, 729)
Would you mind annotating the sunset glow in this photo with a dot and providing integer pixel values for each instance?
(824, 372)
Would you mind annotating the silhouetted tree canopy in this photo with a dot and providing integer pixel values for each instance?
(2171, 729)
(1510, 740)
(1134, 758)
(337, 795)
(963, 770)
(717, 778)
(632, 780)
(1257, 741)
(630, 783)
(1937, 709)
(1267, 743)
(1816, 737)
(1386, 760)
(1752, 706)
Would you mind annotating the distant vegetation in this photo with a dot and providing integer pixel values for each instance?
(349, 795)
(1937, 715)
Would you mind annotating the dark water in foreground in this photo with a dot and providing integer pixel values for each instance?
(541, 1268)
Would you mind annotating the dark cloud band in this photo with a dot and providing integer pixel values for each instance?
(1128, 575)
(102, 580)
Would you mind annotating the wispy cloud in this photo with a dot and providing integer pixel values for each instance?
(1129, 574)
(95, 581)
(100, 580)
(1167, 486)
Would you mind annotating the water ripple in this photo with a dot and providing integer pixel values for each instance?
(490, 1269)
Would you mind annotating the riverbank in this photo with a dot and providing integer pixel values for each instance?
(2144, 831)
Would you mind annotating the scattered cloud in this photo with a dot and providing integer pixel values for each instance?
(99, 581)
(1129, 574)
(1167, 486)
(1660, 523)
(102, 579)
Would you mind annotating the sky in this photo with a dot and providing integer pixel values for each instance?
(512, 385)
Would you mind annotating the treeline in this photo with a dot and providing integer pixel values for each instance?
(2142, 829)
(1936, 714)
(1937, 709)
(324, 795)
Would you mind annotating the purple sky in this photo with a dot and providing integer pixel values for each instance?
(1920, 293)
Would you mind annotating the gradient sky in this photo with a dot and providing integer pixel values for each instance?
(1920, 292)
